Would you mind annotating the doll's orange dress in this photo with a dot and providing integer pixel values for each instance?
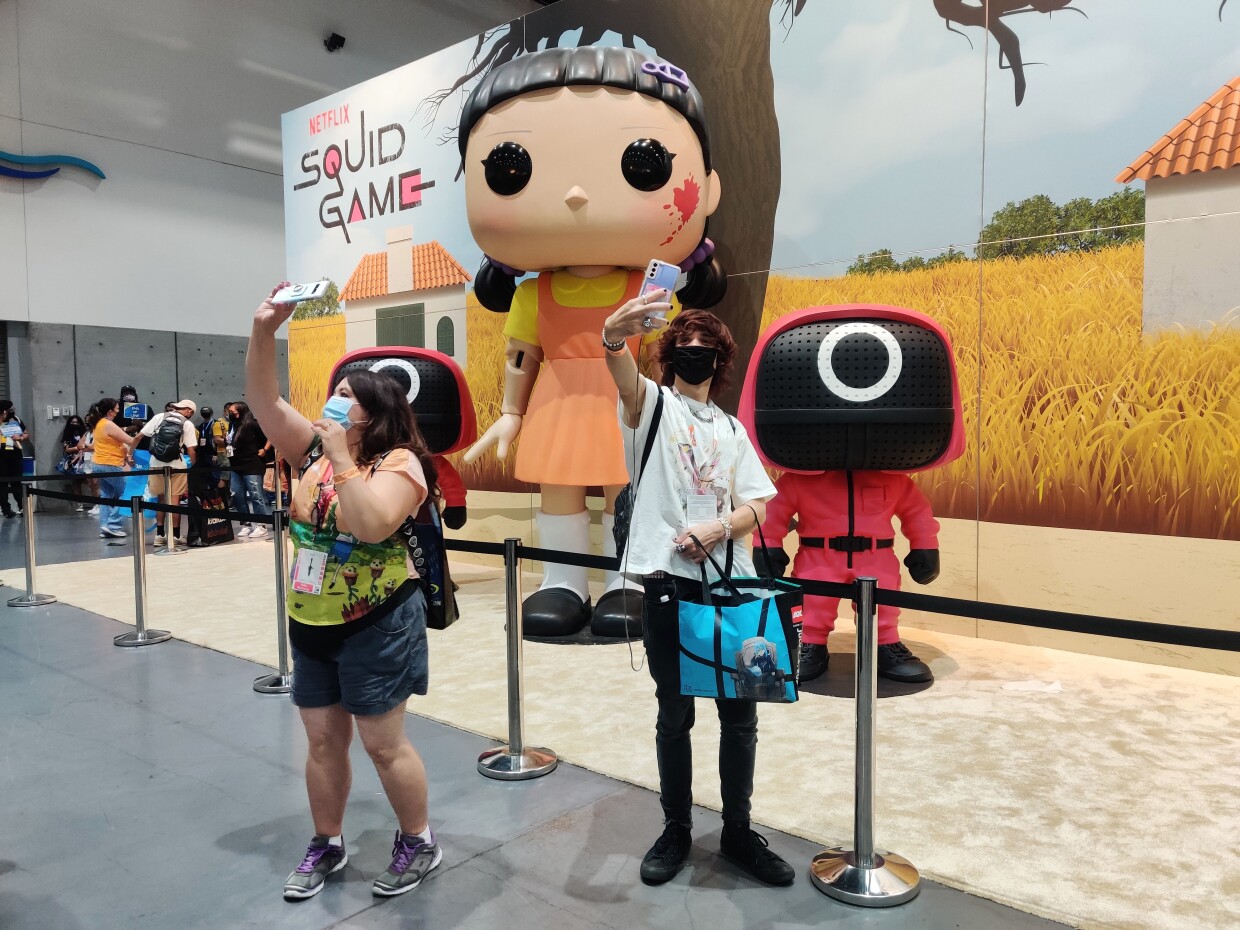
(571, 433)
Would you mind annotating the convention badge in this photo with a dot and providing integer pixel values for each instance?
(308, 571)
(701, 507)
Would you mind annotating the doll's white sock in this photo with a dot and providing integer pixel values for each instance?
(569, 533)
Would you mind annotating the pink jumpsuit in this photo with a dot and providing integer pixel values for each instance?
(822, 503)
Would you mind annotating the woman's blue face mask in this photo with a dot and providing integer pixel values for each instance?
(337, 408)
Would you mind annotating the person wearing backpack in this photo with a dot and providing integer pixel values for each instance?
(170, 433)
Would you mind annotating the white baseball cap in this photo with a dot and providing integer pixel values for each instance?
(181, 404)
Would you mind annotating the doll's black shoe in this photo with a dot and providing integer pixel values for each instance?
(813, 661)
(897, 663)
(618, 613)
(554, 612)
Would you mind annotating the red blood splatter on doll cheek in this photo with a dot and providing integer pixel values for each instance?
(685, 201)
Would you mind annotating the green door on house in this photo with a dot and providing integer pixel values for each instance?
(401, 326)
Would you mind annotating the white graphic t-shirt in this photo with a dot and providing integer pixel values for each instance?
(699, 467)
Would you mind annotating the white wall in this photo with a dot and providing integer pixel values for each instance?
(179, 102)
(1192, 247)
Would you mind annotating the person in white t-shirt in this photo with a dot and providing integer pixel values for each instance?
(184, 411)
(704, 481)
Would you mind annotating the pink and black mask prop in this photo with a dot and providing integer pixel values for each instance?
(434, 385)
(857, 387)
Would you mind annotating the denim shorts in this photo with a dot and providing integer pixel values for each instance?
(372, 671)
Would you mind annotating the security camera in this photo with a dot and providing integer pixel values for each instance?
(334, 42)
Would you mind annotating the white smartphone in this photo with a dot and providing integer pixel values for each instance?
(296, 293)
(660, 276)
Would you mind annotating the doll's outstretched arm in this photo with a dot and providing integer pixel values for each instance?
(520, 371)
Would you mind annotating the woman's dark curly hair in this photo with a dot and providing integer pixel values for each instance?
(392, 424)
(712, 331)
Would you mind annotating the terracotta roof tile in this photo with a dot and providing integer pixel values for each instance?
(369, 278)
(433, 266)
(1206, 139)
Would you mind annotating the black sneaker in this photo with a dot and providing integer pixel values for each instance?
(667, 856)
(897, 663)
(751, 852)
(813, 661)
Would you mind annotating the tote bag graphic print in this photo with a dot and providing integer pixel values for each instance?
(744, 650)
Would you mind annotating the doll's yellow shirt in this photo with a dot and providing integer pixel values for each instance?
(570, 291)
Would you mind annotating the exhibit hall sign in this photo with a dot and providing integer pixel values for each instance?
(345, 169)
(368, 159)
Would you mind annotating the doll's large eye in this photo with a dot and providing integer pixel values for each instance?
(647, 164)
(508, 169)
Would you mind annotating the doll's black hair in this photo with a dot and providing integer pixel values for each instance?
(591, 66)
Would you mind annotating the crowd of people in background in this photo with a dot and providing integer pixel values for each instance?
(224, 460)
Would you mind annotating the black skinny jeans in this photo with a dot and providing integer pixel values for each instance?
(738, 720)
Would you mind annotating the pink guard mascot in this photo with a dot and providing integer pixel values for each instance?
(847, 400)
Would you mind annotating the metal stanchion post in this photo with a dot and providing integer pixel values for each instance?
(29, 599)
(170, 536)
(281, 682)
(140, 636)
(516, 761)
(860, 874)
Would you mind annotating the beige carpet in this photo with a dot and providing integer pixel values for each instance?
(1095, 791)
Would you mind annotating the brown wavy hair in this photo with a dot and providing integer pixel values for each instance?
(712, 331)
(392, 423)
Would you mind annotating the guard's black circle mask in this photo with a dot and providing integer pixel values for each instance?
(694, 364)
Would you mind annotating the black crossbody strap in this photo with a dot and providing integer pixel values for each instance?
(650, 437)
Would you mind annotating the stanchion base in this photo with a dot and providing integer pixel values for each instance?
(179, 550)
(32, 600)
(273, 684)
(890, 881)
(145, 638)
(501, 764)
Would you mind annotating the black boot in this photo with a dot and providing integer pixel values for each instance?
(813, 661)
(667, 856)
(897, 663)
(554, 612)
(752, 852)
(617, 611)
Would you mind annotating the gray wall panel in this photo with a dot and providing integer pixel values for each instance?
(49, 383)
(211, 369)
(109, 357)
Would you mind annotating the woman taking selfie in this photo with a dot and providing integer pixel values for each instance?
(702, 484)
(357, 614)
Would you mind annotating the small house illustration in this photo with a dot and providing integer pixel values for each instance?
(409, 295)
(1192, 175)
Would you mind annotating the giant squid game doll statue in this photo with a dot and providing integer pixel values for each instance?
(847, 401)
(583, 165)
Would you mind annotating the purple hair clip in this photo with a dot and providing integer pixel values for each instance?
(699, 255)
(506, 269)
(665, 72)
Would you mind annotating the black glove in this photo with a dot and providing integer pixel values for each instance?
(775, 566)
(454, 517)
(922, 565)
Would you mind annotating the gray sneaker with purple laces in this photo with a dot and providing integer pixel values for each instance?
(321, 860)
(412, 859)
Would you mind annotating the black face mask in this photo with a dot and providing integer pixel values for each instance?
(694, 364)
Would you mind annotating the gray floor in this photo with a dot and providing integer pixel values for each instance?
(152, 788)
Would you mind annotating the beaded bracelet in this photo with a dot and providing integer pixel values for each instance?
(727, 527)
(613, 347)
